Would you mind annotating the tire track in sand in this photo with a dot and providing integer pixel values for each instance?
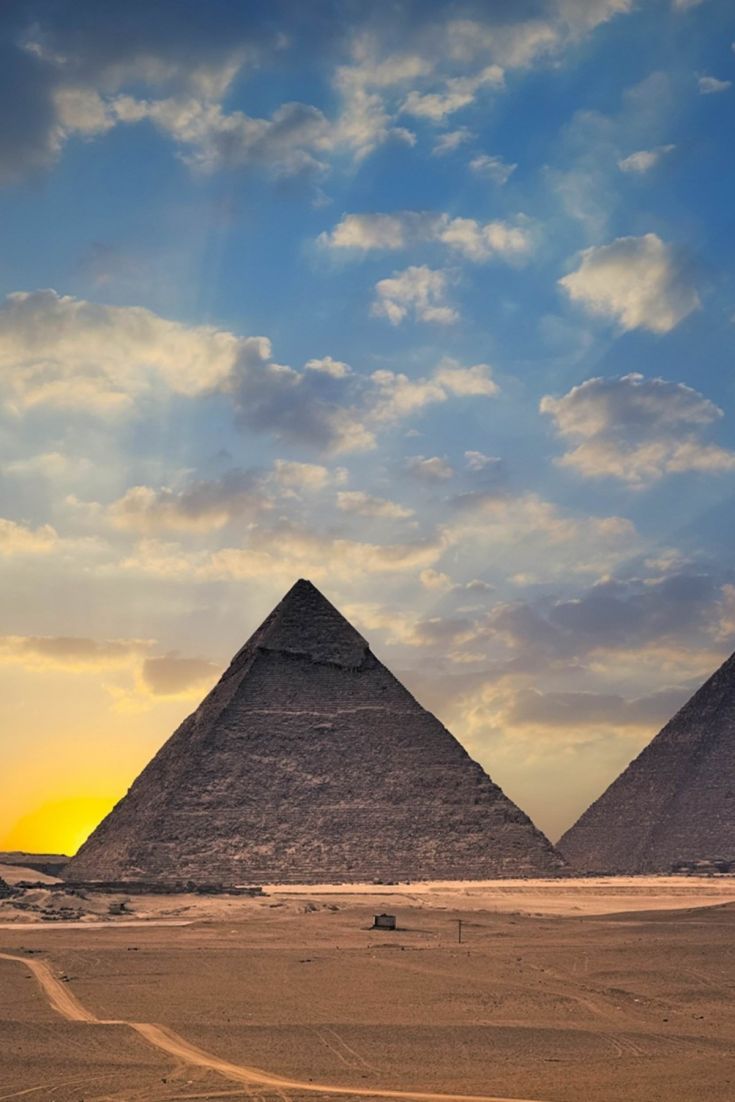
(65, 1003)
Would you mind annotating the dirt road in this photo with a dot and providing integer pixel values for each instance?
(63, 1001)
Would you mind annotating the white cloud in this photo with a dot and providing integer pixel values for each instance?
(636, 429)
(380, 231)
(61, 351)
(281, 553)
(639, 281)
(166, 675)
(435, 580)
(478, 461)
(585, 15)
(477, 241)
(72, 653)
(483, 241)
(20, 539)
(328, 366)
(171, 675)
(451, 140)
(492, 168)
(292, 141)
(202, 506)
(50, 465)
(420, 291)
(68, 353)
(512, 520)
(80, 78)
(396, 396)
(365, 120)
(83, 111)
(709, 86)
(364, 505)
(58, 351)
(432, 469)
(472, 381)
(643, 160)
(293, 476)
(457, 92)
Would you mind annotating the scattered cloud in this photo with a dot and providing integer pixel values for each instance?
(61, 351)
(432, 469)
(167, 675)
(365, 505)
(203, 506)
(641, 282)
(78, 77)
(478, 461)
(295, 477)
(492, 168)
(636, 429)
(473, 240)
(329, 366)
(709, 86)
(628, 616)
(289, 143)
(71, 653)
(451, 140)
(171, 675)
(472, 381)
(435, 580)
(457, 92)
(643, 160)
(416, 291)
(589, 709)
(518, 532)
(17, 538)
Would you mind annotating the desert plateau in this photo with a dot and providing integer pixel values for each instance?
(559, 991)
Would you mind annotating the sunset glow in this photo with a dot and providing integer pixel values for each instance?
(432, 304)
(58, 827)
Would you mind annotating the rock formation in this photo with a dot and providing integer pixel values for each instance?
(676, 801)
(310, 762)
(5, 889)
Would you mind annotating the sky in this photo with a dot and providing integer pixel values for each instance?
(433, 304)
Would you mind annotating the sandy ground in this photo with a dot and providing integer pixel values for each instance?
(600, 991)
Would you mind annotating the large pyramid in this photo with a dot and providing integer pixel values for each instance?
(310, 762)
(675, 801)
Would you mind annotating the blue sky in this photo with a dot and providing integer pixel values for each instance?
(433, 304)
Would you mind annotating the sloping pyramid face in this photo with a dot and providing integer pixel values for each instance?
(310, 762)
(676, 801)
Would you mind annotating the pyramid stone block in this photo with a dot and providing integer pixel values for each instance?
(310, 762)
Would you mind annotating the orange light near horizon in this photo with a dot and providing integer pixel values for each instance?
(60, 826)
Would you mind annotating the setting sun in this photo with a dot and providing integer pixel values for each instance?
(60, 826)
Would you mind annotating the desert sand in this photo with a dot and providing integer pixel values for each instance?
(566, 991)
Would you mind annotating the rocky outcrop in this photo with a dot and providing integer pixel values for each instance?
(310, 762)
(5, 889)
(675, 803)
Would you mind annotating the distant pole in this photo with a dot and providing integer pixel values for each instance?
(459, 931)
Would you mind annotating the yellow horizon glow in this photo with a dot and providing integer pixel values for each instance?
(59, 826)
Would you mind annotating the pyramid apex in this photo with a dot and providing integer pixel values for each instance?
(305, 622)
